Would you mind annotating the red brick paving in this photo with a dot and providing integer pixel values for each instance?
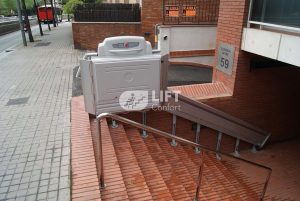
(203, 91)
(115, 186)
(135, 183)
(85, 184)
(283, 158)
(154, 177)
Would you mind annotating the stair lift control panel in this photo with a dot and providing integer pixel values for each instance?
(123, 76)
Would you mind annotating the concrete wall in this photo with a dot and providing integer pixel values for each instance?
(274, 45)
(87, 35)
(187, 38)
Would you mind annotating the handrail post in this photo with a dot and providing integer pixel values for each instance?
(263, 13)
(197, 149)
(249, 13)
(174, 143)
(236, 148)
(254, 150)
(144, 119)
(102, 184)
(218, 148)
(266, 186)
(199, 178)
(114, 124)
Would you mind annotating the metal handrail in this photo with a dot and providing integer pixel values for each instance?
(221, 121)
(278, 26)
(169, 136)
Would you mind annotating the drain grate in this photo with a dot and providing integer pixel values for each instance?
(42, 44)
(17, 101)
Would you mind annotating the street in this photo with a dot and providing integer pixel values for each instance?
(9, 41)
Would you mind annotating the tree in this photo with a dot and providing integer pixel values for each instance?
(70, 6)
(6, 6)
(27, 20)
(90, 1)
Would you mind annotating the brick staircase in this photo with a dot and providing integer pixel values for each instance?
(151, 169)
(158, 171)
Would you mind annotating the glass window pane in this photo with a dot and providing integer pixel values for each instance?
(281, 12)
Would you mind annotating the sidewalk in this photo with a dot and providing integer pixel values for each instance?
(35, 94)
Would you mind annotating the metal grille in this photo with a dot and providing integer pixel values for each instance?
(42, 44)
(108, 13)
(17, 101)
(191, 11)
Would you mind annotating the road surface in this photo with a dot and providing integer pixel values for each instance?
(9, 41)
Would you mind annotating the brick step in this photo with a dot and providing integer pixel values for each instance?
(152, 174)
(151, 169)
(213, 165)
(171, 175)
(207, 191)
(115, 187)
(216, 172)
(134, 180)
(245, 191)
(214, 177)
(177, 166)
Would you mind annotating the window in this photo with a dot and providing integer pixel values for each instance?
(280, 12)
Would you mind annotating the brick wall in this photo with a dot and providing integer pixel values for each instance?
(232, 16)
(267, 97)
(88, 35)
(152, 14)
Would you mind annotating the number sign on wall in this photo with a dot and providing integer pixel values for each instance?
(225, 58)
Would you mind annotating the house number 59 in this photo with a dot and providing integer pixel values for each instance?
(224, 63)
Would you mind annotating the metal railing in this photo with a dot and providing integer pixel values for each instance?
(203, 114)
(108, 13)
(190, 11)
(149, 129)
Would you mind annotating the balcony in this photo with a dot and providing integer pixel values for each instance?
(273, 30)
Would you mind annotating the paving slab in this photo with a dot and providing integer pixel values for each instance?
(35, 94)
